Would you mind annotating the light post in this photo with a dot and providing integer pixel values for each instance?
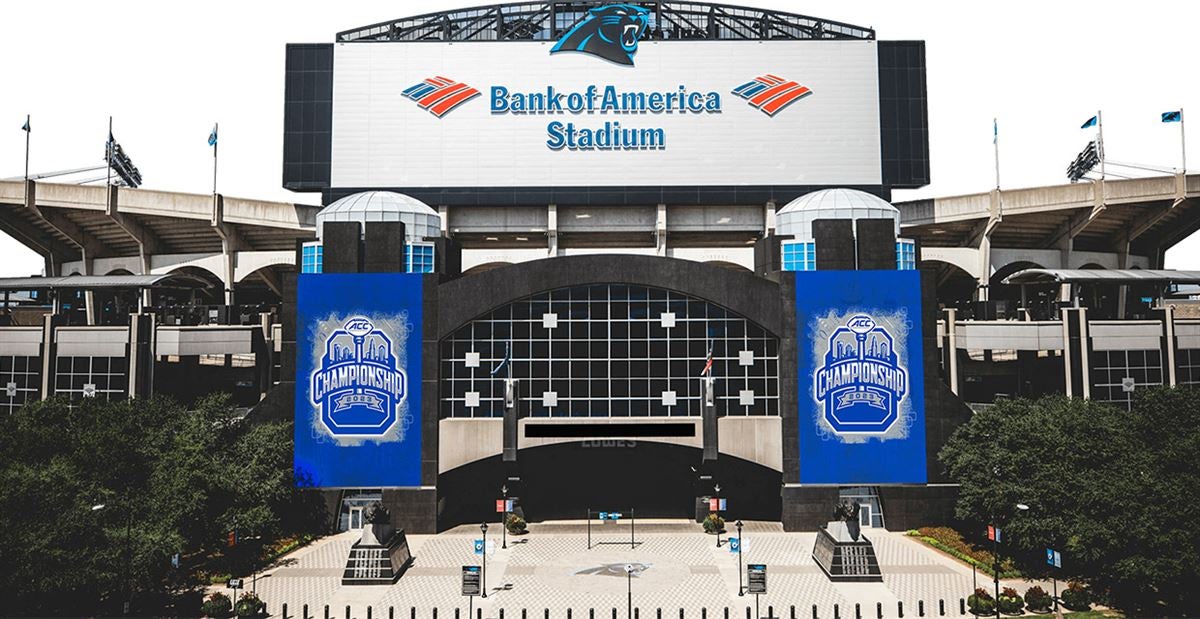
(483, 571)
(741, 544)
(504, 519)
(629, 590)
(717, 491)
(996, 557)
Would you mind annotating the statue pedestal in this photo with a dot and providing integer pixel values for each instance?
(844, 558)
(380, 557)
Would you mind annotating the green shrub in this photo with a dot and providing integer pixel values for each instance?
(516, 525)
(250, 606)
(952, 543)
(981, 602)
(1037, 599)
(713, 524)
(1010, 601)
(217, 606)
(1076, 597)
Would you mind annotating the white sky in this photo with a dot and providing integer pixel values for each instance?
(167, 70)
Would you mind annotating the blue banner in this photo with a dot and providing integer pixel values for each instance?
(861, 382)
(358, 380)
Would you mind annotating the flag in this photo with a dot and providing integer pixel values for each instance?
(1091, 122)
(212, 137)
(26, 129)
(504, 362)
(995, 131)
(1172, 117)
(708, 363)
(232, 540)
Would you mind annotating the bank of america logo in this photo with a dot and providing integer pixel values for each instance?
(439, 94)
(771, 93)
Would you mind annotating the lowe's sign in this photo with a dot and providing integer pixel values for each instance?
(862, 409)
(358, 379)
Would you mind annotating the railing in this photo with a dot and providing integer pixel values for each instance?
(814, 611)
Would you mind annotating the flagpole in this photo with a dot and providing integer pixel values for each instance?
(996, 149)
(1100, 126)
(108, 148)
(1182, 142)
(27, 132)
(216, 143)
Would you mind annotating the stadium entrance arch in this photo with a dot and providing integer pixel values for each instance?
(598, 367)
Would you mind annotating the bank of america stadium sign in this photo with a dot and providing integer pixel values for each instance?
(609, 33)
(358, 387)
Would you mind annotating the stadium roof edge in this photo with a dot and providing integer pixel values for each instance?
(525, 21)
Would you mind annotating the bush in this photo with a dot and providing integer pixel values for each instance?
(981, 602)
(1037, 599)
(217, 606)
(952, 543)
(713, 524)
(1076, 597)
(1010, 601)
(515, 524)
(250, 606)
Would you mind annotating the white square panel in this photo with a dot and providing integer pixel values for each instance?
(668, 398)
(472, 399)
(472, 359)
(550, 320)
(549, 398)
(89, 390)
(745, 357)
(10, 390)
(667, 319)
(746, 397)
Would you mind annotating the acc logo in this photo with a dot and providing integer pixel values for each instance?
(861, 382)
(770, 93)
(359, 387)
(610, 32)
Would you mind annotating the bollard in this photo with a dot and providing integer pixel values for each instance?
(547, 613)
(814, 611)
(568, 613)
(368, 612)
(680, 613)
(920, 608)
(857, 611)
(479, 613)
(637, 613)
(391, 612)
(347, 611)
(412, 614)
(703, 613)
(962, 606)
(304, 612)
(900, 609)
(456, 609)
(658, 613)
(614, 613)
(591, 613)
(941, 608)
(770, 612)
(879, 610)
(285, 611)
(326, 611)
(726, 612)
(747, 612)
(792, 613)
(501, 613)
(435, 612)
(836, 612)
(523, 614)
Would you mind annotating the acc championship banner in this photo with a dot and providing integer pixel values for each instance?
(358, 380)
(862, 395)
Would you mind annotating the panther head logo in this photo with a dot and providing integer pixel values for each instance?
(610, 32)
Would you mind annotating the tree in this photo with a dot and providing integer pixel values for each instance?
(169, 479)
(1112, 490)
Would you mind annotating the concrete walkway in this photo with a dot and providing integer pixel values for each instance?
(677, 566)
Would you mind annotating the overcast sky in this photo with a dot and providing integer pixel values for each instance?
(167, 70)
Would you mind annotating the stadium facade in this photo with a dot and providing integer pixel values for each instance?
(606, 256)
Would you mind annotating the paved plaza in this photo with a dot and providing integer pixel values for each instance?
(677, 567)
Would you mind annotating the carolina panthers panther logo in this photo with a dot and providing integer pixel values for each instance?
(610, 32)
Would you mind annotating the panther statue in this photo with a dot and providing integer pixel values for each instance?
(610, 32)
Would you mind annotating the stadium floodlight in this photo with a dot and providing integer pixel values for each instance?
(122, 164)
(1084, 162)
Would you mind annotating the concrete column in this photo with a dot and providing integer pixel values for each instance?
(660, 231)
(1169, 345)
(141, 355)
(950, 349)
(769, 218)
(552, 230)
(49, 353)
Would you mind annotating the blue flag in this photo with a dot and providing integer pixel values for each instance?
(25, 127)
(995, 131)
(1091, 122)
(212, 137)
(1173, 117)
(507, 359)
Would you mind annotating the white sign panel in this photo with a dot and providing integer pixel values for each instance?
(686, 113)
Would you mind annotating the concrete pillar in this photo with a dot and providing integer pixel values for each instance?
(660, 231)
(49, 353)
(141, 355)
(950, 349)
(552, 230)
(769, 218)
